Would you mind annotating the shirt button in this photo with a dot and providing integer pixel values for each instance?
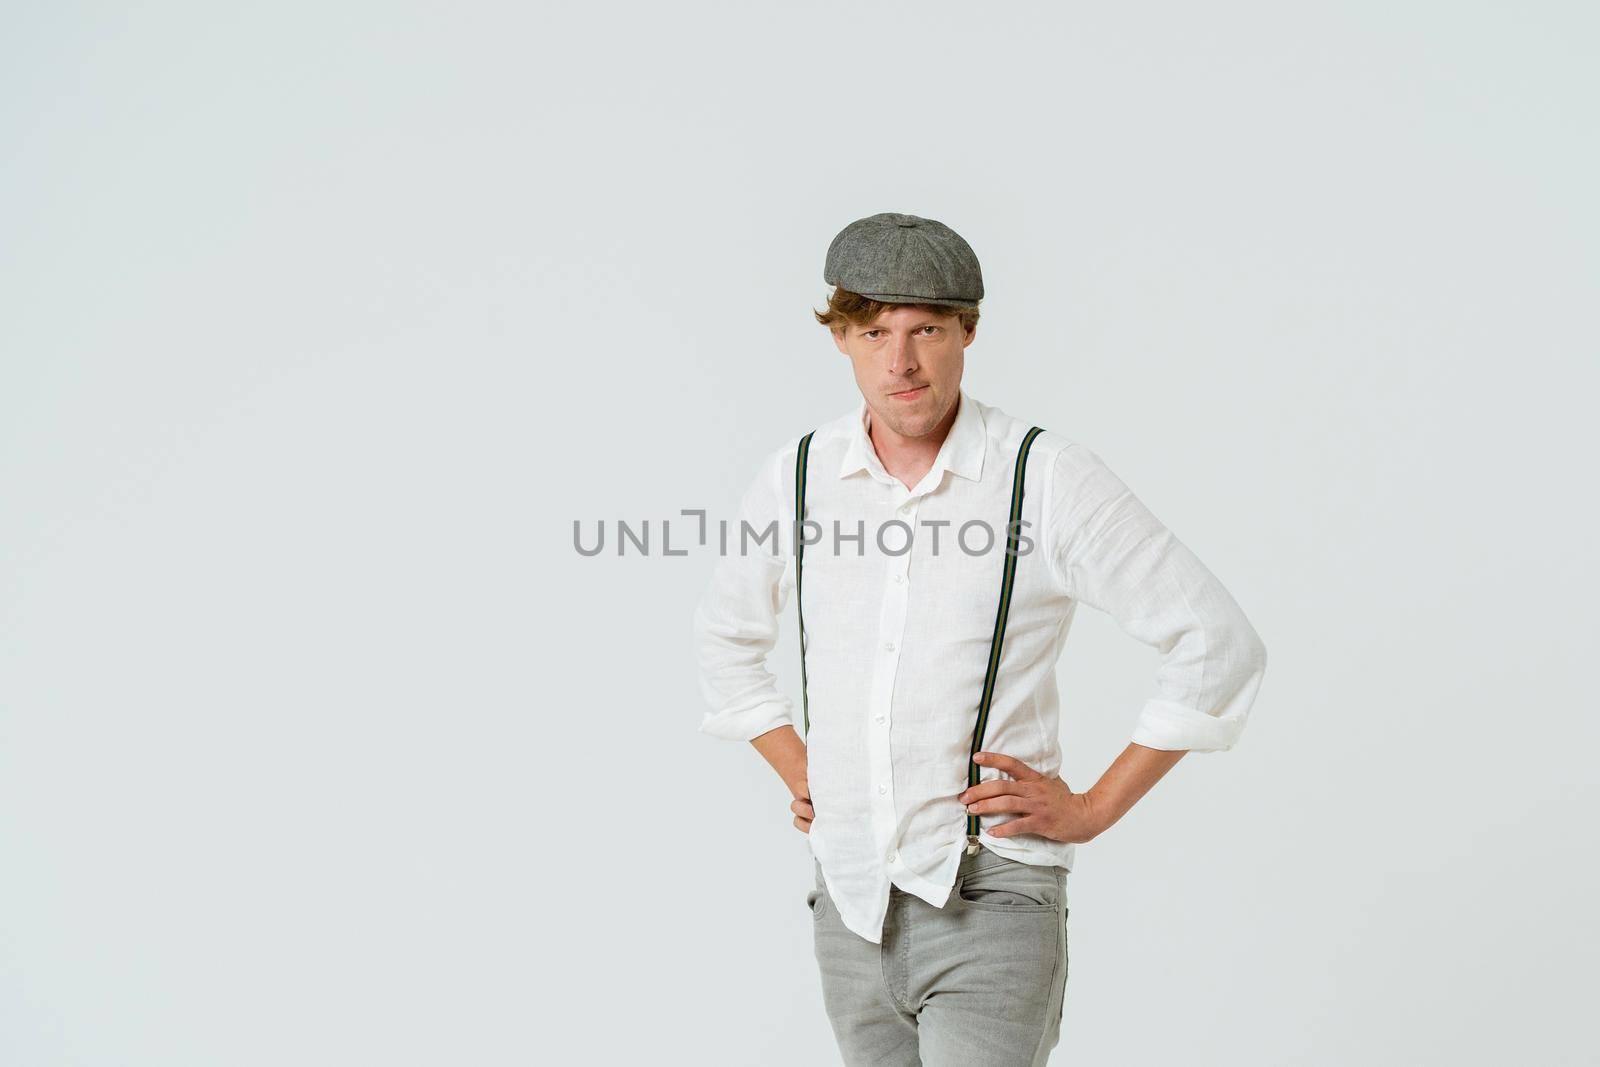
(899, 579)
(878, 719)
(882, 788)
(888, 646)
(893, 856)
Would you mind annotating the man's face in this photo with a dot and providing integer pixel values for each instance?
(908, 365)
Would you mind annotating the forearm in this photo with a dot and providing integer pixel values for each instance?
(787, 753)
(1131, 775)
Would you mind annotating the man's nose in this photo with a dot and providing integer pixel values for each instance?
(902, 357)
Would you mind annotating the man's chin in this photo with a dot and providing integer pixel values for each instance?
(918, 422)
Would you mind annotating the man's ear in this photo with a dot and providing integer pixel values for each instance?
(838, 340)
(970, 335)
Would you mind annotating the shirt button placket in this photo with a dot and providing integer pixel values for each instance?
(893, 623)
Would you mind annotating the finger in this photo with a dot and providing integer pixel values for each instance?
(803, 809)
(1011, 765)
(994, 787)
(1027, 824)
(803, 825)
(1006, 802)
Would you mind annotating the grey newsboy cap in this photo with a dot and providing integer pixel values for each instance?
(904, 259)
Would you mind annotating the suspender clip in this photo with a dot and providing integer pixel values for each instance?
(972, 844)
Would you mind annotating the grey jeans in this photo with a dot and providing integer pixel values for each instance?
(980, 981)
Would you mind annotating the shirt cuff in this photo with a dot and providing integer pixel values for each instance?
(748, 723)
(1165, 725)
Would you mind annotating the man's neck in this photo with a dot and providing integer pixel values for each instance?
(908, 459)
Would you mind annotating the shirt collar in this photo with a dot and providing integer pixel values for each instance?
(961, 453)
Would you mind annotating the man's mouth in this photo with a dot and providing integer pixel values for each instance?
(910, 394)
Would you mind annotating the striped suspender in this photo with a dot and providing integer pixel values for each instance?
(799, 554)
(1013, 537)
(1007, 579)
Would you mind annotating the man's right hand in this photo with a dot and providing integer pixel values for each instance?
(801, 806)
(784, 749)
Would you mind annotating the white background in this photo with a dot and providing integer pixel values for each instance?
(320, 324)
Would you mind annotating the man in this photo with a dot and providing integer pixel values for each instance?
(927, 778)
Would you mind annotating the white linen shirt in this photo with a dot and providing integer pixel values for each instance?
(898, 626)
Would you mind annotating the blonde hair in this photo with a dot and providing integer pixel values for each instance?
(852, 309)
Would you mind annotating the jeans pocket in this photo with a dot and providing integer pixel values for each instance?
(1012, 886)
(817, 898)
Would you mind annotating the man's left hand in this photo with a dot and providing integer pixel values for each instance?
(1048, 805)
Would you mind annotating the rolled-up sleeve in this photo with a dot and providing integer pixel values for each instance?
(736, 619)
(1111, 553)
